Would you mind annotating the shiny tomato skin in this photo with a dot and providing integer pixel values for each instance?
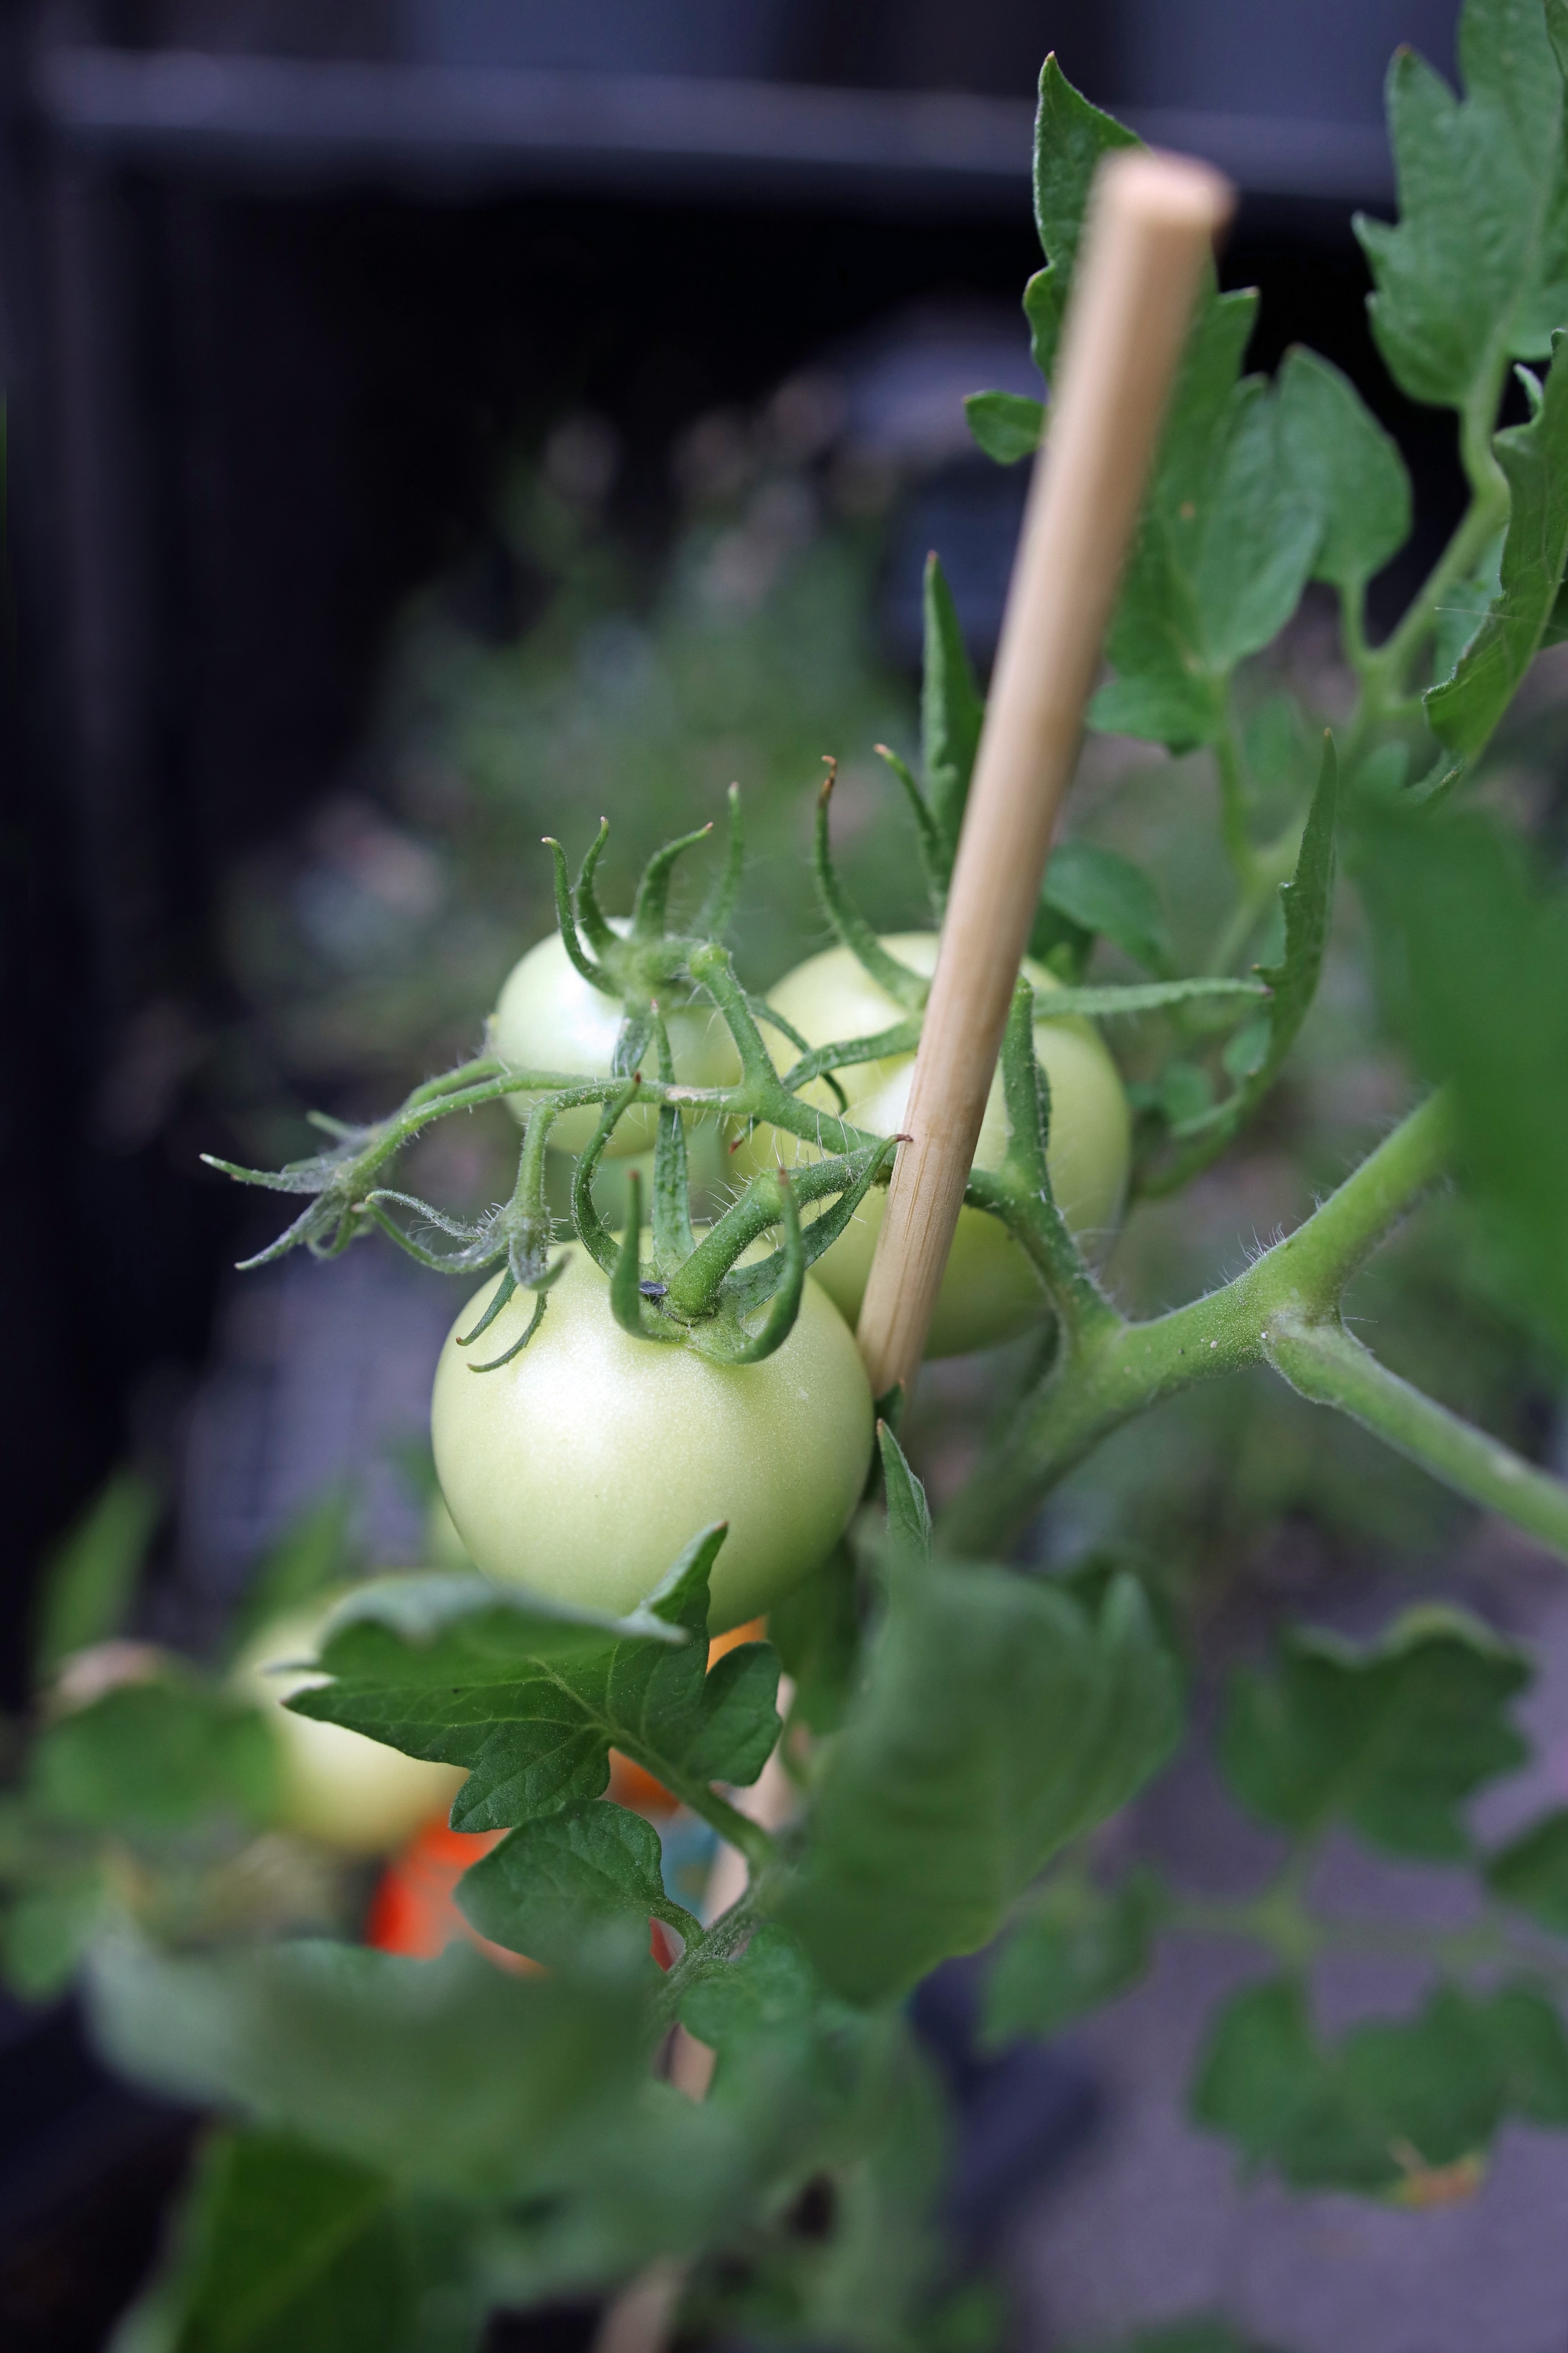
(584, 1467)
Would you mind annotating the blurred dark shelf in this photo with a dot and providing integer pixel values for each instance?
(317, 123)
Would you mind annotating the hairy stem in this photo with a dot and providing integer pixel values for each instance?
(1323, 1361)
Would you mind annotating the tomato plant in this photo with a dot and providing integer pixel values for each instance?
(646, 1432)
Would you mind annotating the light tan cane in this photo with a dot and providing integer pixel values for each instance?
(1151, 224)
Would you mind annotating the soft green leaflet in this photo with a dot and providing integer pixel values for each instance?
(1464, 709)
(1391, 1741)
(1073, 1948)
(1475, 272)
(556, 1884)
(997, 1720)
(1391, 2099)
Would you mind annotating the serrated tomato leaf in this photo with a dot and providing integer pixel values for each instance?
(557, 1885)
(996, 1720)
(1345, 466)
(1103, 893)
(1071, 137)
(536, 1732)
(1392, 1740)
(1397, 2108)
(909, 1514)
(1475, 272)
(1463, 710)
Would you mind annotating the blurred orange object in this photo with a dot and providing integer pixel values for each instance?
(412, 1911)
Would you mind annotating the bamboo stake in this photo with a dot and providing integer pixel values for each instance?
(1152, 224)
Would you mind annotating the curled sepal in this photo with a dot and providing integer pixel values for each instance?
(714, 916)
(904, 986)
(651, 903)
(761, 1010)
(673, 1239)
(595, 923)
(784, 1305)
(855, 1173)
(482, 1243)
(587, 1224)
(565, 917)
(338, 1179)
(626, 1293)
(934, 856)
(1026, 1092)
(494, 1363)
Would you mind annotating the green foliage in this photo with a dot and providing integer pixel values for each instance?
(1463, 712)
(1006, 425)
(1475, 272)
(816, 1630)
(535, 1725)
(288, 2251)
(1075, 1947)
(1392, 2102)
(556, 1886)
(1070, 139)
(1474, 957)
(445, 2076)
(88, 1585)
(155, 1757)
(1391, 1740)
(1345, 467)
(997, 1720)
(1099, 893)
(952, 707)
(1531, 1872)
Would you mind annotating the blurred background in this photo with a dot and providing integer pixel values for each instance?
(432, 423)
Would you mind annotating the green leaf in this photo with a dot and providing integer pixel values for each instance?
(1007, 426)
(1476, 270)
(90, 1583)
(1346, 467)
(313, 1554)
(1078, 1946)
(556, 1886)
(1392, 1740)
(1532, 1872)
(996, 1720)
(816, 1630)
(1463, 712)
(1306, 903)
(1474, 973)
(446, 2076)
(157, 1756)
(1393, 2101)
(1141, 997)
(1103, 893)
(1225, 546)
(952, 709)
(1070, 139)
(47, 1927)
(536, 1731)
(1464, 607)
(909, 1514)
(288, 2251)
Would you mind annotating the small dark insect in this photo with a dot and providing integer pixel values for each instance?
(653, 1290)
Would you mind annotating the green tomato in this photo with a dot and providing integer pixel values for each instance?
(548, 1017)
(350, 1792)
(990, 1292)
(582, 1467)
